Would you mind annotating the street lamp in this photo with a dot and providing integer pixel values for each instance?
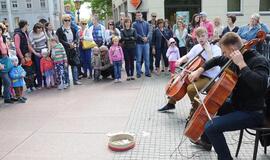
(78, 6)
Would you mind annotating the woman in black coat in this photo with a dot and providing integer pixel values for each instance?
(68, 37)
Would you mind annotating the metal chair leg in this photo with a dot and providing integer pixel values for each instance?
(239, 142)
(258, 134)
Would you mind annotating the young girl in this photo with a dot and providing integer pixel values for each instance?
(173, 55)
(29, 68)
(96, 63)
(59, 58)
(17, 75)
(47, 68)
(116, 57)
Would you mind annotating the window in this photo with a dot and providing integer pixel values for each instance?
(234, 5)
(42, 4)
(264, 6)
(28, 3)
(3, 5)
(14, 4)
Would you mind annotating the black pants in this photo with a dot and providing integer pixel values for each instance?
(161, 52)
(183, 51)
(108, 72)
(151, 59)
(129, 54)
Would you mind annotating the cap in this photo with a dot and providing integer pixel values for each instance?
(203, 14)
(171, 40)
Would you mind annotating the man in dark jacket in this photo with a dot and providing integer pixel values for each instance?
(246, 104)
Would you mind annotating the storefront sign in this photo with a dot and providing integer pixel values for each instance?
(136, 3)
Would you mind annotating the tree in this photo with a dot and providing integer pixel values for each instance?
(103, 8)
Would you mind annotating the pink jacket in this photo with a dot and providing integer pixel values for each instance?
(209, 26)
(116, 53)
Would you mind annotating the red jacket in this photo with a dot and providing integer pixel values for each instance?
(46, 64)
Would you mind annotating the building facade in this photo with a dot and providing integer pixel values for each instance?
(169, 8)
(31, 10)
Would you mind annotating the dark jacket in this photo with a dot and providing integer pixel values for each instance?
(128, 38)
(226, 29)
(72, 53)
(248, 94)
(158, 40)
(23, 41)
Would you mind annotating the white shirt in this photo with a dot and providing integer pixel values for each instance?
(173, 54)
(216, 51)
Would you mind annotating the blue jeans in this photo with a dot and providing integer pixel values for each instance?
(74, 70)
(142, 50)
(85, 55)
(117, 69)
(233, 121)
(7, 85)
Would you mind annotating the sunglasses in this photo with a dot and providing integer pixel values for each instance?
(67, 20)
(154, 16)
(84, 23)
(172, 42)
(111, 24)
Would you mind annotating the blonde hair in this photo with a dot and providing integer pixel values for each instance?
(66, 16)
(115, 38)
(200, 31)
(217, 19)
(95, 50)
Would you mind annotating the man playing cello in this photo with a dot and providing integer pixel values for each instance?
(244, 109)
(210, 52)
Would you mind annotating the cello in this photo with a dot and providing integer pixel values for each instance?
(176, 88)
(217, 95)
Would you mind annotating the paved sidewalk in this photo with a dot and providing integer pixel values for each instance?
(72, 124)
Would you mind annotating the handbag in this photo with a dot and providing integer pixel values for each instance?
(88, 44)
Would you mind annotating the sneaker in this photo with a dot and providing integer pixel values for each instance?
(24, 98)
(119, 80)
(8, 101)
(116, 80)
(168, 106)
(33, 88)
(132, 78)
(28, 90)
(77, 83)
(138, 76)
(128, 79)
(38, 88)
(203, 144)
(14, 99)
(21, 100)
(66, 86)
(60, 87)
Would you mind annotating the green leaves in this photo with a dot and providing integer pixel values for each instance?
(103, 8)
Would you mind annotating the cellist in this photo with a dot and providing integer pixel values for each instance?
(210, 52)
(244, 108)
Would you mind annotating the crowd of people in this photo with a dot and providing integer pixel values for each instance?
(42, 57)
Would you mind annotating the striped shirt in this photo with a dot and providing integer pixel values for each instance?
(59, 54)
(38, 41)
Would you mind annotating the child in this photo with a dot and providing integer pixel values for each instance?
(47, 68)
(96, 63)
(29, 68)
(173, 55)
(59, 58)
(116, 57)
(17, 75)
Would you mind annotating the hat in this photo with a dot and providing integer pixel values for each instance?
(203, 14)
(171, 40)
(153, 14)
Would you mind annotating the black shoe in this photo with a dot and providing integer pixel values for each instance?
(167, 107)
(14, 99)
(24, 98)
(132, 78)
(138, 76)
(128, 79)
(148, 75)
(21, 100)
(8, 101)
(203, 144)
